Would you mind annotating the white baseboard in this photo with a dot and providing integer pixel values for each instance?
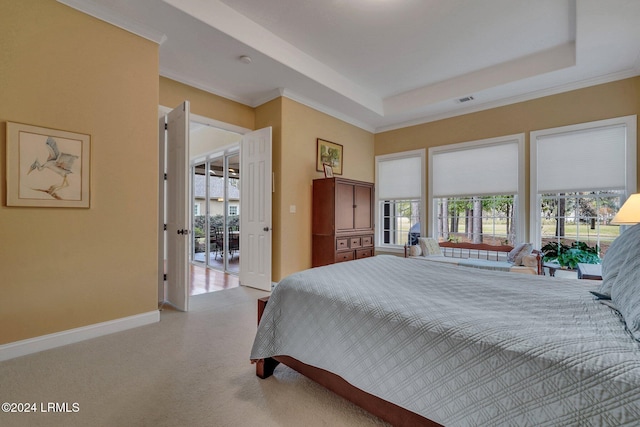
(58, 339)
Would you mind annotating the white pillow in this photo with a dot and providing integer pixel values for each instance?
(520, 251)
(415, 250)
(429, 246)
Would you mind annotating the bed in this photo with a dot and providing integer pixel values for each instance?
(450, 346)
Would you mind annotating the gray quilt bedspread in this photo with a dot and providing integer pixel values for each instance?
(460, 346)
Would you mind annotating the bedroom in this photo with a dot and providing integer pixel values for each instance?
(65, 270)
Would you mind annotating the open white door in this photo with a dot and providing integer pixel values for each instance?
(178, 207)
(255, 199)
(162, 159)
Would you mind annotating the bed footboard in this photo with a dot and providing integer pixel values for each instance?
(381, 408)
(264, 367)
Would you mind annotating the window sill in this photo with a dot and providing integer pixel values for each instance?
(389, 250)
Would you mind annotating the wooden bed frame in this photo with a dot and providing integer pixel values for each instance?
(381, 408)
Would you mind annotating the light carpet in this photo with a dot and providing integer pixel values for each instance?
(190, 369)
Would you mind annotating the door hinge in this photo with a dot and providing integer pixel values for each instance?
(165, 227)
(165, 176)
(166, 126)
(165, 277)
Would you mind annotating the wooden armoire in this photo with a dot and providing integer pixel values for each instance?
(343, 220)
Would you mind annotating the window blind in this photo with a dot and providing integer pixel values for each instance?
(400, 179)
(585, 160)
(476, 171)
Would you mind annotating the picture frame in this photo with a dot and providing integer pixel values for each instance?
(47, 167)
(329, 153)
(328, 171)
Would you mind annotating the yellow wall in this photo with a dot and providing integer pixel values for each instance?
(67, 268)
(295, 128)
(301, 126)
(616, 99)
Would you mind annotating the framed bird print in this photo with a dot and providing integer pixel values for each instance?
(47, 167)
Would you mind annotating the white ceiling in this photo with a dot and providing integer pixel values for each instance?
(383, 64)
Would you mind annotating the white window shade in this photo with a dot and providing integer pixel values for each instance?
(587, 160)
(400, 179)
(476, 171)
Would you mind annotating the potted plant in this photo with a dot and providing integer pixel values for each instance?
(569, 256)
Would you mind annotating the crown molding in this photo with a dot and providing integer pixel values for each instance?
(324, 109)
(276, 93)
(105, 14)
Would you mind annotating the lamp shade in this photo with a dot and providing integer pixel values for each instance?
(629, 213)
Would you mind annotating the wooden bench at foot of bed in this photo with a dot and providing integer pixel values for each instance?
(381, 408)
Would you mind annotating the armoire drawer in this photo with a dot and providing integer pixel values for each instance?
(344, 256)
(364, 253)
(367, 241)
(342, 244)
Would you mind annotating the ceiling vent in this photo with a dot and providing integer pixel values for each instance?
(465, 99)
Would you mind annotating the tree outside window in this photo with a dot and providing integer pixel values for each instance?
(477, 219)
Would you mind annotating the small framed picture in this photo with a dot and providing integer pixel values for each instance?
(328, 170)
(47, 167)
(330, 153)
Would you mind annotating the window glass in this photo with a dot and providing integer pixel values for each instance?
(400, 221)
(568, 218)
(480, 219)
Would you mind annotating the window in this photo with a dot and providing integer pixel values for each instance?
(196, 209)
(400, 184)
(400, 221)
(580, 176)
(580, 217)
(475, 190)
(233, 210)
(477, 219)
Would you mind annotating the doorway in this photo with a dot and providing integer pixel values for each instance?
(188, 146)
(216, 211)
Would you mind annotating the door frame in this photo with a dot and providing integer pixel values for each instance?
(163, 110)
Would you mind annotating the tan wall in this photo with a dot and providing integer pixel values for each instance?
(301, 126)
(67, 268)
(173, 93)
(295, 128)
(616, 99)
